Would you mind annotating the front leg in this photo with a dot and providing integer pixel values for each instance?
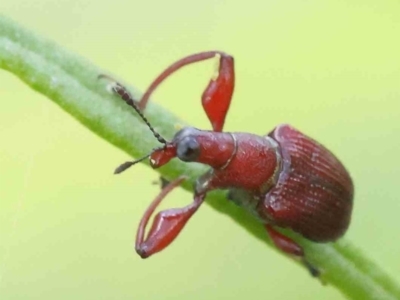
(167, 224)
(216, 97)
(218, 94)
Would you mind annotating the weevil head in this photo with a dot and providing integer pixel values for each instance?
(184, 146)
(187, 144)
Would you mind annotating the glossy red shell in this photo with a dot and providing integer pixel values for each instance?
(314, 192)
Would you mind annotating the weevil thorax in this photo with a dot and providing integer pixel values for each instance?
(238, 161)
(254, 166)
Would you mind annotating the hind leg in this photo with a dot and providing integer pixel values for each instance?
(290, 247)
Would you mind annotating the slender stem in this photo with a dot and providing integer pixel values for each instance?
(71, 82)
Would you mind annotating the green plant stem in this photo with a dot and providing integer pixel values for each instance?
(72, 83)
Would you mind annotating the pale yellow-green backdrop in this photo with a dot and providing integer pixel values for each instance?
(331, 68)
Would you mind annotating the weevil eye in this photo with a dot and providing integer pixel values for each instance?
(188, 149)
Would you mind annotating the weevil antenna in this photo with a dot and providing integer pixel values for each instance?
(128, 164)
(121, 91)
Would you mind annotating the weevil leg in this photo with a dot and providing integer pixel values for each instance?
(216, 97)
(167, 224)
(290, 247)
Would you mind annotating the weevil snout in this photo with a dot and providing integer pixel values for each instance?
(162, 156)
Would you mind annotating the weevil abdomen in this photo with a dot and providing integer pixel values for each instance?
(314, 192)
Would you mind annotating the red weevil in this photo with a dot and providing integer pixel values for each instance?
(285, 179)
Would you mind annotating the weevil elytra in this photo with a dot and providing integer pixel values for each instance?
(284, 178)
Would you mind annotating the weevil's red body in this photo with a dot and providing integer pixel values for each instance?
(311, 191)
(285, 178)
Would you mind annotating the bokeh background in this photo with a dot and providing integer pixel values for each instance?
(330, 68)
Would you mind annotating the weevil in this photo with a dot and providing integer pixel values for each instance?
(284, 178)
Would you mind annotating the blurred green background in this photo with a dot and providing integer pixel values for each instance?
(330, 68)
